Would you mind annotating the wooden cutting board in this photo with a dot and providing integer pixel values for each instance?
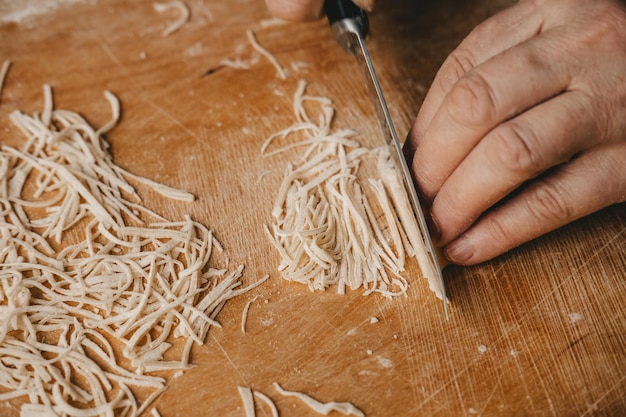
(538, 331)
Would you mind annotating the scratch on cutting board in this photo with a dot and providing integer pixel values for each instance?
(109, 52)
(575, 342)
(408, 328)
(591, 410)
(454, 379)
(519, 322)
(432, 396)
(491, 394)
(175, 120)
(235, 367)
(547, 295)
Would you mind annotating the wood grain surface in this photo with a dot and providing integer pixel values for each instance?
(540, 331)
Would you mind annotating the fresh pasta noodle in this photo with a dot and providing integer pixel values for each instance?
(3, 75)
(322, 408)
(134, 285)
(183, 18)
(282, 73)
(332, 224)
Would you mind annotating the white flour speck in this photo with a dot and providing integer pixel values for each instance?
(367, 372)
(575, 317)
(195, 50)
(385, 363)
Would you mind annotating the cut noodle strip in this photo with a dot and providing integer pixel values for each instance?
(282, 73)
(183, 18)
(3, 75)
(248, 401)
(244, 315)
(267, 400)
(322, 408)
(247, 397)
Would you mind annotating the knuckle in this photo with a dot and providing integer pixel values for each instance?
(613, 177)
(425, 179)
(547, 203)
(516, 150)
(455, 214)
(427, 186)
(462, 60)
(472, 101)
(595, 107)
(458, 63)
(450, 209)
(618, 172)
(499, 234)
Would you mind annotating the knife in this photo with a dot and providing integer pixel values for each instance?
(350, 26)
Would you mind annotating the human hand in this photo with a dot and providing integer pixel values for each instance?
(524, 127)
(299, 10)
(296, 10)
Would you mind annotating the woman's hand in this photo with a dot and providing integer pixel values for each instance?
(524, 127)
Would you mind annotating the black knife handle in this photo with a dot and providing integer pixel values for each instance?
(337, 10)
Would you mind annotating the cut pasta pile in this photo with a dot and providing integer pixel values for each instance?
(335, 225)
(84, 325)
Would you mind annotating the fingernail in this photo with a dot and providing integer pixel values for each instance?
(460, 251)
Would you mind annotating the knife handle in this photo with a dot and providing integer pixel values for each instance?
(338, 10)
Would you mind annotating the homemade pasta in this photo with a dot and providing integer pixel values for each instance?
(183, 17)
(332, 224)
(134, 285)
(322, 408)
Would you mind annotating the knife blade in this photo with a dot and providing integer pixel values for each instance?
(350, 26)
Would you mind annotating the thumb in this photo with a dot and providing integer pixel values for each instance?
(296, 10)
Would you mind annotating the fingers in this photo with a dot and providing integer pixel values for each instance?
(296, 10)
(497, 34)
(504, 118)
(492, 93)
(589, 183)
(512, 153)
